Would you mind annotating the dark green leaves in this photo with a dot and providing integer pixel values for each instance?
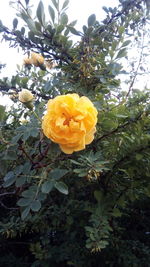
(52, 13)
(74, 31)
(65, 4)
(15, 23)
(61, 187)
(56, 174)
(122, 53)
(36, 205)
(23, 202)
(9, 179)
(47, 186)
(126, 43)
(91, 20)
(40, 13)
(2, 112)
(25, 213)
(64, 19)
(55, 3)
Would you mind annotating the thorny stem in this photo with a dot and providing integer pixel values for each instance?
(25, 153)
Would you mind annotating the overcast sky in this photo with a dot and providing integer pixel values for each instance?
(78, 9)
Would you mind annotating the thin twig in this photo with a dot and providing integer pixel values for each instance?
(139, 63)
(8, 193)
(4, 206)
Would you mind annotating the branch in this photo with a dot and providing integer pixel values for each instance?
(139, 63)
(118, 163)
(4, 206)
(7, 88)
(25, 153)
(8, 193)
(119, 127)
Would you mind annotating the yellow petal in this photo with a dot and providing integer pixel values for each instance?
(65, 149)
(90, 136)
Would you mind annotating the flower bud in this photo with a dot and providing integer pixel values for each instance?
(25, 96)
(27, 61)
(37, 59)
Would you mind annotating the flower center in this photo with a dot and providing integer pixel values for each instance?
(66, 122)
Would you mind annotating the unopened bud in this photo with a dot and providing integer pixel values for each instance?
(26, 97)
(27, 61)
(37, 59)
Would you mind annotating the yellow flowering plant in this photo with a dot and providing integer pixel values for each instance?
(70, 121)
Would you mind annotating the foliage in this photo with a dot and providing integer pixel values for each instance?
(90, 206)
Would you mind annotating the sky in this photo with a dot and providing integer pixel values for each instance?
(78, 10)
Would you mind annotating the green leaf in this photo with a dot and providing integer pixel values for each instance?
(20, 181)
(28, 194)
(23, 202)
(64, 19)
(15, 23)
(84, 29)
(25, 213)
(9, 179)
(2, 112)
(22, 30)
(58, 173)
(121, 30)
(26, 168)
(38, 26)
(65, 4)
(91, 20)
(55, 3)
(47, 187)
(126, 43)
(74, 31)
(40, 13)
(105, 9)
(73, 23)
(122, 53)
(8, 175)
(9, 182)
(139, 156)
(60, 28)
(31, 25)
(27, 2)
(61, 187)
(52, 13)
(98, 195)
(36, 205)
(116, 213)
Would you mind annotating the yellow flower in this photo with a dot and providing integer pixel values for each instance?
(70, 121)
(25, 96)
(27, 61)
(37, 59)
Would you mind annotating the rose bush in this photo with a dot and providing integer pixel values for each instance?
(70, 121)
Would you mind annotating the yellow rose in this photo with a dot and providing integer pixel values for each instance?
(70, 121)
(25, 96)
(37, 59)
